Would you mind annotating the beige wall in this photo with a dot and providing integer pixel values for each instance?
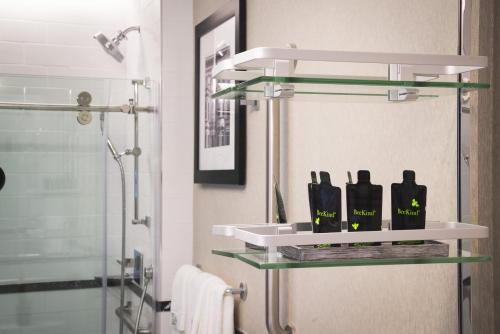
(385, 138)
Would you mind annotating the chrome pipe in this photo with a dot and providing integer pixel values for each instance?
(122, 34)
(136, 145)
(129, 323)
(273, 157)
(71, 108)
(141, 304)
(273, 304)
(273, 172)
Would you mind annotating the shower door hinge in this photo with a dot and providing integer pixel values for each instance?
(146, 82)
(145, 221)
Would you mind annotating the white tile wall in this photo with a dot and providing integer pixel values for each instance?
(11, 53)
(22, 31)
(55, 36)
(177, 99)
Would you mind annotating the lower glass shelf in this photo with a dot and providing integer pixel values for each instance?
(262, 260)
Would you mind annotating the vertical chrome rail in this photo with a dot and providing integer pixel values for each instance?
(273, 170)
(136, 145)
(463, 207)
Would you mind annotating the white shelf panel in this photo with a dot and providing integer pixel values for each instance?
(419, 65)
(274, 235)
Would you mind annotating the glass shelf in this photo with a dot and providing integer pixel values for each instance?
(343, 89)
(263, 260)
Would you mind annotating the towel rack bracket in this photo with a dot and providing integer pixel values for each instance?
(242, 291)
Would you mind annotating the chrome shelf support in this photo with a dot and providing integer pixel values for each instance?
(273, 172)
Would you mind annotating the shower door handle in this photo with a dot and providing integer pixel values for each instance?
(2, 178)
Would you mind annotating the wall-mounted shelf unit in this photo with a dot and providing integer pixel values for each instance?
(271, 74)
(271, 236)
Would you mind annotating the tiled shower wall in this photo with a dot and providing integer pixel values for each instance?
(53, 37)
(51, 211)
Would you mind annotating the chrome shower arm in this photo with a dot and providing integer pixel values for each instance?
(123, 34)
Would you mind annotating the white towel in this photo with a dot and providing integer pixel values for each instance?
(195, 298)
(199, 303)
(228, 315)
(221, 319)
(180, 295)
(202, 306)
(214, 311)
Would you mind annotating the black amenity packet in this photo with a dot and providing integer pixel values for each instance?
(325, 203)
(364, 205)
(408, 203)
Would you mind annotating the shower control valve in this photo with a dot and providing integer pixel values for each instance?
(148, 273)
(136, 151)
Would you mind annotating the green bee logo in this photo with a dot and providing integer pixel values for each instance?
(414, 203)
(355, 226)
(316, 221)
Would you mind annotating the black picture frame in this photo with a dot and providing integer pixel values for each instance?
(236, 9)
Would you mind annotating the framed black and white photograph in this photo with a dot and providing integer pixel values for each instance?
(220, 125)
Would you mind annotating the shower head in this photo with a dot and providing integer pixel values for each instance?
(113, 150)
(111, 46)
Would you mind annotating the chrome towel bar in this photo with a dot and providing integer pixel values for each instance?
(242, 291)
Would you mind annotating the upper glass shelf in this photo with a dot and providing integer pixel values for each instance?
(342, 89)
(267, 72)
(263, 260)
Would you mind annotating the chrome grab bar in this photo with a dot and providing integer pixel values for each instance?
(126, 316)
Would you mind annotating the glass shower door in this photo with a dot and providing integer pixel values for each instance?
(51, 210)
(61, 205)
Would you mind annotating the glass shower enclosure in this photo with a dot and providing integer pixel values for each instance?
(61, 205)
